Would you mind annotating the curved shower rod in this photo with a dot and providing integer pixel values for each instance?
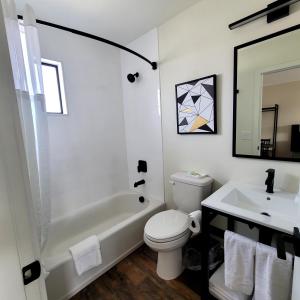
(97, 38)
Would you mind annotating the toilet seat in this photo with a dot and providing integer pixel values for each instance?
(167, 226)
(167, 246)
(168, 239)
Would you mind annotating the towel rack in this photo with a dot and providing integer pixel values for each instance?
(294, 240)
(265, 237)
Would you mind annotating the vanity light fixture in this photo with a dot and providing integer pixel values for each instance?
(274, 11)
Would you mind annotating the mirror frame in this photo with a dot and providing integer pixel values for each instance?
(235, 92)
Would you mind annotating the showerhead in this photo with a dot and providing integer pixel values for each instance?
(131, 77)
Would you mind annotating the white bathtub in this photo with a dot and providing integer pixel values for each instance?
(118, 222)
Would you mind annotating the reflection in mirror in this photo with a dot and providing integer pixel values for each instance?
(281, 112)
(267, 98)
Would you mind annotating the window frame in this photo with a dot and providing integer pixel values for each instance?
(60, 84)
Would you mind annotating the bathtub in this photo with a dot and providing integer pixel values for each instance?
(118, 222)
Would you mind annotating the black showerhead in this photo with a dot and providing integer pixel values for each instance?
(131, 77)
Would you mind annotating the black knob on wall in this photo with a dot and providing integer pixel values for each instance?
(142, 166)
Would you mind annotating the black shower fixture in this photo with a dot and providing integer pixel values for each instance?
(131, 77)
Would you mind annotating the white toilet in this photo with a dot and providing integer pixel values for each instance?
(168, 231)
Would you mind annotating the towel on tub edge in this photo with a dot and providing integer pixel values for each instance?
(86, 254)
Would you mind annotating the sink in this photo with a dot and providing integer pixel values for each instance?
(278, 211)
(239, 199)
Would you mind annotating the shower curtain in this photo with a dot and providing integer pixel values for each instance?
(27, 74)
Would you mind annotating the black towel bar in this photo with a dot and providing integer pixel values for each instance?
(294, 240)
(208, 214)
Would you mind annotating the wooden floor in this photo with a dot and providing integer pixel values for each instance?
(135, 278)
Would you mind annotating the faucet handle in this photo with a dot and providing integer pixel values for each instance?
(271, 171)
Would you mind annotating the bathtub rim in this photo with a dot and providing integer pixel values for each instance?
(52, 262)
(93, 204)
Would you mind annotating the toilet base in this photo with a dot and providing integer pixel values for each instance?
(169, 264)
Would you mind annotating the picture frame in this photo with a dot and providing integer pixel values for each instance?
(196, 106)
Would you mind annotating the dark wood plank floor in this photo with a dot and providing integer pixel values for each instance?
(135, 278)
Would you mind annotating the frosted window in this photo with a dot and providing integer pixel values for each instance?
(52, 80)
(53, 87)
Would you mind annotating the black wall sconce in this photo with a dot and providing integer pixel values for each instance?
(274, 11)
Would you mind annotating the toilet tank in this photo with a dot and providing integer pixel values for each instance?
(189, 190)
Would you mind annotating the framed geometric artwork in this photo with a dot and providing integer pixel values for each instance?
(196, 106)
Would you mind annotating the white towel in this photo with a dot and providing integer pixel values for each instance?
(218, 289)
(273, 276)
(86, 254)
(239, 262)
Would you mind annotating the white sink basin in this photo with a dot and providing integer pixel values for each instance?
(279, 210)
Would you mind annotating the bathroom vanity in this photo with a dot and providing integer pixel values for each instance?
(274, 215)
(266, 71)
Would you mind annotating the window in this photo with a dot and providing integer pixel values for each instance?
(53, 81)
(54, 87)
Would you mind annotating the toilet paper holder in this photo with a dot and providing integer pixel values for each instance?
(195, 221)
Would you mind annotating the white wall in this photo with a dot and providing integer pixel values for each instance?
(197, 43)
(141, 101)
(87, 147)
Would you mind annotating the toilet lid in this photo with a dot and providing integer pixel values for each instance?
(166, 224)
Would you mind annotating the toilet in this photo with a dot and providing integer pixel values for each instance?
(168, 231)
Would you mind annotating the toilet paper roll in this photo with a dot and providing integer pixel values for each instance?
(195, 221)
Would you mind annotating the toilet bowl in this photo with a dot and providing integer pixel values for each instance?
(168, 231)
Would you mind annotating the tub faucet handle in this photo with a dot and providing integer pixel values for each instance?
(142, 166)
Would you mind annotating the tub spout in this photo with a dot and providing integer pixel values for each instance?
(136, 184)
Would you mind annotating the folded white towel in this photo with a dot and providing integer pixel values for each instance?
(218, 289)
(86, 254)
(239, 262)
(273, 276)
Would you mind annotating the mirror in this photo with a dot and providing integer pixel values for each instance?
(266, 121)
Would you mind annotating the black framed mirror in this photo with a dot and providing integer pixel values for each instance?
(266, 97)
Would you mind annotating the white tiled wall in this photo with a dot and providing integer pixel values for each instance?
(91, 156)
(142, 114)
(87, 147)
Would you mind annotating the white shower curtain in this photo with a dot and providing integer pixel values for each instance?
(28, 81)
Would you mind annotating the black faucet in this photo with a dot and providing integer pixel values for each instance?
(136, 184)
(270, 181)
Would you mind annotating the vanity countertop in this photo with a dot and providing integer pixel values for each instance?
(279, 210)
